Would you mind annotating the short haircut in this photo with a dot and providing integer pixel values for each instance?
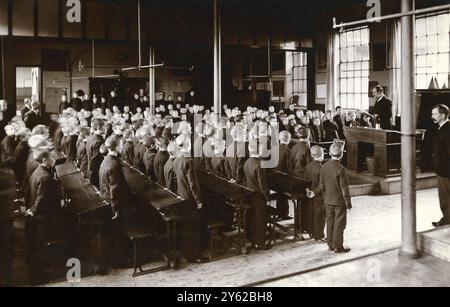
(338, 108)
(442, 109)
(379, 89)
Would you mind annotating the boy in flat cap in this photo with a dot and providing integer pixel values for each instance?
(336, 192)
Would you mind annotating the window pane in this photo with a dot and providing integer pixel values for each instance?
(421, 27)
(431, 24)
(422, 82)
(443, 23)
(421, 45)
(431, 63)
(444, 42)
(351, 54)
(432, 44)
(421, 64)
(443, 63)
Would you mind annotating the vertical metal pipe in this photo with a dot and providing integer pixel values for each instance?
(151, 78)
(217, 60)
(139, 33)
(409, 232)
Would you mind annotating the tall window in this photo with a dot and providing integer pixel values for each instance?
(297, 76)
(354, 68)
(432, 50)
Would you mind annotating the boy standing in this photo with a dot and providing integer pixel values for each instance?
(336, 192)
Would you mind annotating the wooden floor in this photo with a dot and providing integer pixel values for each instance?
(373, 228)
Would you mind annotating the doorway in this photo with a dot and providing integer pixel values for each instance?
(28, 85)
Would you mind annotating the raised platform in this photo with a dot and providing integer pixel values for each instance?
(436, 243)
(365, 183)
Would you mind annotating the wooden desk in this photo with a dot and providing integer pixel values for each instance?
(294, 188)
(387, 150)
(162, 201)
(232, 194)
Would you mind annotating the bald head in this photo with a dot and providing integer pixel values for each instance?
(285, 137)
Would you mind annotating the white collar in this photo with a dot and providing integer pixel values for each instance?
(113, 153)
(442, 125)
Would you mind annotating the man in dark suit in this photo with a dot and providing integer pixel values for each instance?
(188, 187)
(336, 193)
(284, 165)
(114, 190)
(316, 219)
(26, 108)
(383, 108)
(170, 178)
(43, 223)
(76, 102)
(256, 180)
(441, 160)
(33, 117)
(160, 160)
(300, 154)
(94, 142)
(339, 121)
(64, 104)
(128, 147)
(8, 144)
(149, 156)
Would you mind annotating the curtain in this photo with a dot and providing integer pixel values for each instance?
(395, 71)
(333, 72)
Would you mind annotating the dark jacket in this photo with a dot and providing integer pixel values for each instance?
(284, 163)
(32, 120)
(383, 108)
(441, 151)
(148, 160)
(45, 196)
(70, 147)
(256, 177)
(312, 173)
(188, 186)
(7, 148)
(170, 177)
(138, 161)
(334, 185)
(158, 165)
(82, 158)
(112, 184)
(128, 152)
(300, 157)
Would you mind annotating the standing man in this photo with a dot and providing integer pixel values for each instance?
(64, 104)
(383, 108)
(94, 142)
(113, 189)
(441, 161)
(256, 180)
(336, 193)
(316, 220)
(339, 120)
(43, 223)
(33, 118)
(26, 107)
(284, 165)
(188, 187)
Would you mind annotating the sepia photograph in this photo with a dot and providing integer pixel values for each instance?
(212, 147)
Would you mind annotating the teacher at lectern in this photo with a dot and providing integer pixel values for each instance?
(383, 109)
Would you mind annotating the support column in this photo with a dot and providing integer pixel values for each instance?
(151, 83)
(409, 231)
(217, 60)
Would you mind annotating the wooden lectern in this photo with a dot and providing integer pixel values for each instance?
(387, 150)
